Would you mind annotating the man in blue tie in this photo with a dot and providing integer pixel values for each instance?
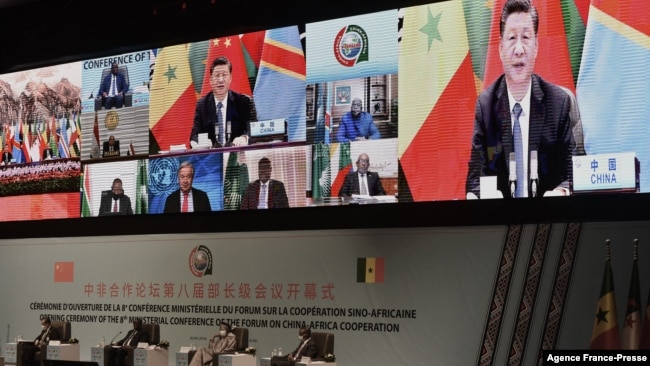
(521, 113)
(113, 88)
(222, 113)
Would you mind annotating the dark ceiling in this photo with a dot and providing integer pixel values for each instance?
(45, 32)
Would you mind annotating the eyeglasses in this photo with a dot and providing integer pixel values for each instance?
(222, 75)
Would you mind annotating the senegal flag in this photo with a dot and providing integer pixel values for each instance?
(605, 330)
(370, 270)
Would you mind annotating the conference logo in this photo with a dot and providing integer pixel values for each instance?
(201, 261)
(351, 46)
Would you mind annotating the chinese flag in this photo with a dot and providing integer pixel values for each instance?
(64, 272)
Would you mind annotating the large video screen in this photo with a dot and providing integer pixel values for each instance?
(435, 102)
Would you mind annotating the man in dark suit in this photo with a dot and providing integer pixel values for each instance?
(115, 202)
(131, 340)
(6, 155)
(362, 181)
(187, 198)
(48, 153)
(265, 192)
(521, 109)
(222, 107)
(113, 88)
(306, 348)
(48, 333)
(111, 148)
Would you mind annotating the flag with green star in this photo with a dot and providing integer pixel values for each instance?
(605, 330)
(437, 83)
(173, 99)
(370, 270)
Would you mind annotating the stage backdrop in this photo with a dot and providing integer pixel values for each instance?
(426, 301)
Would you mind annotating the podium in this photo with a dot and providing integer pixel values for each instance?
(240, 359)
(64, 352)
(97, 355)
(10, 351)
(150, 357)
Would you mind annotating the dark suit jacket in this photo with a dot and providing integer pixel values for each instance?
(309, 350)
(549, 133)
(141, 336)
(53, 335)
(240, 111)
(106, 149)
(200, 199)
(106, 205)
(48, 153)
(277, 195)
(121, 86)
(6, 157)
(351, 185)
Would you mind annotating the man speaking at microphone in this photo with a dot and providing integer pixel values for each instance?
(521, 113)
(120, 349)
(222, 113)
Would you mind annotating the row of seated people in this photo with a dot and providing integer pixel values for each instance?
(121, 353)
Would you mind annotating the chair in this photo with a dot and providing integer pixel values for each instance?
(128, 96)
(325, 343)
(153, 330)
(242, 343)
(63, 328)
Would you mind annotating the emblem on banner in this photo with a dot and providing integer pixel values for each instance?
(201, 261)
(351, 46)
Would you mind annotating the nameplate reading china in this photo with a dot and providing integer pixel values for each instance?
(605, 172)
(267, 128)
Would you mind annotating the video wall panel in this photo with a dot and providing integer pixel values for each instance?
(401, 94)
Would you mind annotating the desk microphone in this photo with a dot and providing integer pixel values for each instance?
(116, 336)
(228, 132)
(534, 178)
(512, 158)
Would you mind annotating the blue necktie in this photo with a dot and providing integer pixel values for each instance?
(220, 124)
(519, 151)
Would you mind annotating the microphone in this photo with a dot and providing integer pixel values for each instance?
(228, 132)
(512, 158)
(534, 178)
(116, 336)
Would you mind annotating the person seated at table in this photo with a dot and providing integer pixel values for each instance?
(47, 334)
(306, 348)
(111, 147)
(131, 340)
(6, 155)
(223, 341)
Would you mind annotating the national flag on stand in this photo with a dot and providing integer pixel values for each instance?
(613, 76)
(62, 138)
(252, 45)
(370, 270)
(235, 182)
(75, 135)
(229, 47)
(632, 324)
(343, 163)
(64, 272)
(42, 136)
(553, 62)
(23, 147)
(321, 177)
(141, 195)
(645, 333)
(173, 99)
(86, 209)
(54, 141)
(197, 54)
(437, 81)
(605, 335)
(282, 71)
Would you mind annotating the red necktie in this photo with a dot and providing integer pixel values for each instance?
(114, 206)
(185, 202)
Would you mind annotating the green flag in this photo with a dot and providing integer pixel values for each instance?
(141, 188)
(321, 179)
(234, 183)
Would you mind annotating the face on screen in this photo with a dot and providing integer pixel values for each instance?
(185, 177)
(518, 49)
(220, 81)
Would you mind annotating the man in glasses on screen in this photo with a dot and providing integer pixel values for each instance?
(187, 198)
(357, 125)
(222, 113)
(522, 127)
(264, 192)
(115, 202)
(362, 182)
